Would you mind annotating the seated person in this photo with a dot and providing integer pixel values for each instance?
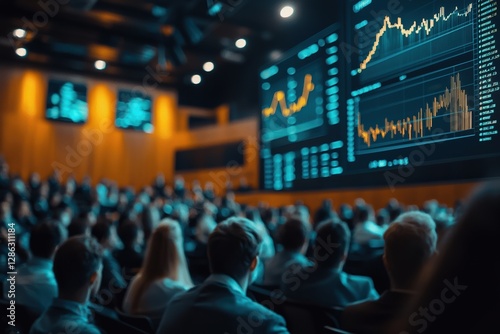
(130, 257)
(325, 283)
(77, 268)
(293, 235)
(79, 226)
(409, 245)
(36, 284)
(112, 278)
(220, 304)
(366, 229)
(459, 292)
(163, 274)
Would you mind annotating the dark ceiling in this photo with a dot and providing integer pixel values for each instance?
(168, 38)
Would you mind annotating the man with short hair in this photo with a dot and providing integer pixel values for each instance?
(77, 269)
(410, 242)
(325, 283)
(219, 305)
(293, 235)
(36, 284)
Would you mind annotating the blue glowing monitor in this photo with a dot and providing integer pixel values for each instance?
(66, 101)
(133, 111)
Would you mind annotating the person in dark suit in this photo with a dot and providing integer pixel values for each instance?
(112, 278)
(219, 304)
(325, 283)
(410, 242)
(130, 257)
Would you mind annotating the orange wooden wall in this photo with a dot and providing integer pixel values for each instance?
(31, 143)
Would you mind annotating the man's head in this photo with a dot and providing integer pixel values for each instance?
(332, 243)
(105, 233)
(410, 241)
(294, 234)
(44, 239)
(78, 266)
(233, 248)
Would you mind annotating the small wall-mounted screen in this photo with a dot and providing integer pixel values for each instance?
(133, 111)
(67, 101)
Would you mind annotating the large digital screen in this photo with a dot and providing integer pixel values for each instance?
(133, 111)
(66, 101)
(301, 103)
(416, 101)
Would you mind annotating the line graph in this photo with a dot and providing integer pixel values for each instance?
(426, 26)
(454, 100)
(424, 35)
(279, 99)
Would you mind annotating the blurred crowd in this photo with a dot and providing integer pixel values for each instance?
(154, 240)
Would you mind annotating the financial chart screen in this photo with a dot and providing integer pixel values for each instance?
(66, 101)
(133, 111)
(418, 102)
(301, 102)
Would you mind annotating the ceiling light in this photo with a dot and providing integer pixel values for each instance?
(21, 52)
(286, 11)
(19, 33)
(208, 66)
(100, 65)
(196, 79)
(241, 43)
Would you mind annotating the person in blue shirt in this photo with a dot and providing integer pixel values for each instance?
(219, 304)
(36, 284)
(77, 269)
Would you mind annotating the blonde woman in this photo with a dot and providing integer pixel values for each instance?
(163, 274)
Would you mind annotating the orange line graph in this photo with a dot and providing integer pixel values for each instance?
(454, 99)
(425, 26)
(280, 99)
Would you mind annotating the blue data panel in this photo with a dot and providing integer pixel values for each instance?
(134, 111)
(66, 101)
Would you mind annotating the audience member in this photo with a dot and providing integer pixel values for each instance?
(130, 257)
(79, 226)
(325, 283)
(293, 236)
(112, 278)
(77, 269)
(163, 275)
(36, 284)
(366, 229)
(220, 303)
(409, 246)
(460, 293)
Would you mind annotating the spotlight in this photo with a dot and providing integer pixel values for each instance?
(196, 79)
(100, 65)
(208, 66)
(241, 43)
(21, 52)
(19, 33)
(286, 11)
